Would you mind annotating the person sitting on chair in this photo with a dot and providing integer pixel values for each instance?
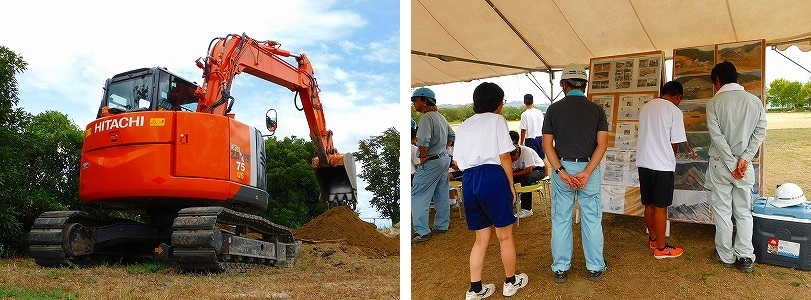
(528, 169)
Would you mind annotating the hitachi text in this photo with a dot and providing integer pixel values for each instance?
(119, 123)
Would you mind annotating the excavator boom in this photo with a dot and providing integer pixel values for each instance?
(233, 54)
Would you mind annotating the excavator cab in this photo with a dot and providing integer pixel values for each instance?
(133, 91)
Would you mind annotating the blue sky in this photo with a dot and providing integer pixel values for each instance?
(354, 47)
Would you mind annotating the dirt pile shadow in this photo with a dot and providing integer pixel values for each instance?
(341, 226)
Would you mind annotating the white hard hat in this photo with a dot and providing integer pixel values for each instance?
(788, 194)
(574, 71)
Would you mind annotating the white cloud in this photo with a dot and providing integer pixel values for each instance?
(349, 47)
(339, 74)
(385, 52)
(62, 41)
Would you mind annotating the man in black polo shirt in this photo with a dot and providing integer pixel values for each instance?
(578, 129)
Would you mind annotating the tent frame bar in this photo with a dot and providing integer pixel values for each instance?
(448, 58)
(789, 59)
(519, 35)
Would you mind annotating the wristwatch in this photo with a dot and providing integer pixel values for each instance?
(557, 171)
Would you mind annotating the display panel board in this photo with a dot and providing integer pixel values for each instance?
(692, 67)
(621, 85)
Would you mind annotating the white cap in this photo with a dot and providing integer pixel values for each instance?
(574, 71)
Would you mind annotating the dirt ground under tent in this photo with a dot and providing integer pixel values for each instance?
(439, 267)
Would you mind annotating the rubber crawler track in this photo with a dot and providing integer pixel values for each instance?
(197, 238)
(46, 238)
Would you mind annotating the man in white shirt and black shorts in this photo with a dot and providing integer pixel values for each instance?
(661, 129)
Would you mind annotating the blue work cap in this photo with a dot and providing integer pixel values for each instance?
(423, 92)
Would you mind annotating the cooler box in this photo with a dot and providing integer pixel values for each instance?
(782, 236)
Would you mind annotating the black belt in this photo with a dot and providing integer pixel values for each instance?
(431, 157)
(582, 159)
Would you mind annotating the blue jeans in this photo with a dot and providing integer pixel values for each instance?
(431, 182)
(591, 216)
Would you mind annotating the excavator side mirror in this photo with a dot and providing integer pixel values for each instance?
(271, 120)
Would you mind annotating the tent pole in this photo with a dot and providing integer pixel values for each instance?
(538, 85)
(552, 85)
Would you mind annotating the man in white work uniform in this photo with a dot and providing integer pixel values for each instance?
(736, 121)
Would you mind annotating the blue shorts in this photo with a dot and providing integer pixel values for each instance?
(488, 197)
(536, 144)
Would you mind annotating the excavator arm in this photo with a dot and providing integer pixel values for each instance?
(231, 55)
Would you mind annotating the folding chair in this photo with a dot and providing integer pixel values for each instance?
(457, 185)
(526, 189)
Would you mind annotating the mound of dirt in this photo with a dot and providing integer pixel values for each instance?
(341, 225)
(392, 232)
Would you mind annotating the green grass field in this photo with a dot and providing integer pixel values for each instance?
(786, 158)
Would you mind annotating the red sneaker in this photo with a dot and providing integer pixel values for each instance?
(668, 252)
(652, 244)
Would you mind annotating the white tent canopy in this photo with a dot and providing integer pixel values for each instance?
(463, 40)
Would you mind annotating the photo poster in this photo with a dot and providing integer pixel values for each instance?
(637, 72)
(609, 104)
(692, 67)
(621, 85)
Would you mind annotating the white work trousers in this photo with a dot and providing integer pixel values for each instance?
(731, 198)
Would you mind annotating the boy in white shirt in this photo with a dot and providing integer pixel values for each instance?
(483, 155)
(532, 127)
(661, 129)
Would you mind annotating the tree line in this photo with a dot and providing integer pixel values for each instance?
(791, 95)
(784, 94)
(459, 113)
(41, 153)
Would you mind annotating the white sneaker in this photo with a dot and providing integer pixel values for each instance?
(487, 290)
(521, 281)
(523, 213)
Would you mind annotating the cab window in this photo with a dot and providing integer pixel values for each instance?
(174, 93)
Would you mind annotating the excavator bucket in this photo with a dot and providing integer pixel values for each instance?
(338, 183)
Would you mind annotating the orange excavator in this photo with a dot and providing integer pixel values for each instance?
(172, 153)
